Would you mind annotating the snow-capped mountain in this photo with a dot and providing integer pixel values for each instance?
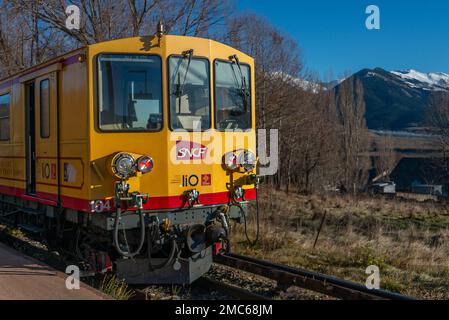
(307, 85)
(437, 81)
(397, 100)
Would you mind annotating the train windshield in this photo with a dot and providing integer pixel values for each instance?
(129, 92)
(232, 96)
(189, 93)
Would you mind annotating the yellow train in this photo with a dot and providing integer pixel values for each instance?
(132, 151)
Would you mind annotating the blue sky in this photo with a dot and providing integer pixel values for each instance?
(334, 40)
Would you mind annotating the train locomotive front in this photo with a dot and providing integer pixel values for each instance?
(135, 152)
(172, 154)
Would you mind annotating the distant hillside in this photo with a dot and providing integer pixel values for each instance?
(397, 100)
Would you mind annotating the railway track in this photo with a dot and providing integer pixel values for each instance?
(207, 285)
(282, 274)
(317, 282)
(231, 290)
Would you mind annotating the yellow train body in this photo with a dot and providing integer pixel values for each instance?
(72, 154)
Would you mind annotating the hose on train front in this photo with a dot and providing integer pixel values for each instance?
(171, 255)
(252, 243)
(116, 230)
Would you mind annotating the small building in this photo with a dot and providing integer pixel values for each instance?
(431, 189)
(421, 176)
(383, 188)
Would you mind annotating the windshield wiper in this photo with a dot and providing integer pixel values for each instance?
(179, 85)
(244, 93)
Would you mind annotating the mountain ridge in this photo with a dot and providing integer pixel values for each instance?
(397, 100)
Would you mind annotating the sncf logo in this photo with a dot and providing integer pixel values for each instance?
(188, 150)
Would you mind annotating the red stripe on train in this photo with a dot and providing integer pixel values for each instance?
(155, 203)
(173, 202)
(48, 198)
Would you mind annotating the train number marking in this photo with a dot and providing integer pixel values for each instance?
(100, 206)
(53, 171)
(48, 171)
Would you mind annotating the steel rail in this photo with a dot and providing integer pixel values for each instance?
(231, 290)
(314, 281)
(206, 284)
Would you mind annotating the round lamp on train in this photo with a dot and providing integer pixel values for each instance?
(145, 164)
(123, 165)
(230, 161)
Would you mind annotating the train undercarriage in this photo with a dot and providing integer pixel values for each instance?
(141, 247)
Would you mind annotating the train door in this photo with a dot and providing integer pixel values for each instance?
(46, 137)
(30, 142)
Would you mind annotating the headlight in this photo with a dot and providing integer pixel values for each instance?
(123, 165)
(247, 160)
(230, 161)
(145, 164)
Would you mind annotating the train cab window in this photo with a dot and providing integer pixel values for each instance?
(45, 108)
(189, 93)
(130, 92)
(232, 96)
(4, 117)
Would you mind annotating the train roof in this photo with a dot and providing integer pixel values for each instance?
(60, 58)
(63, 58)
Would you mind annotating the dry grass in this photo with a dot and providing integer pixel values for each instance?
(407, 240)
(116, 288)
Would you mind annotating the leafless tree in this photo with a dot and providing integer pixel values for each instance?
(278, 64)
(387, 158)
(24, 39)
(353, 134)
(103, 20)
(34, 31)
(196, 17)
(438, 120)
(302, 110)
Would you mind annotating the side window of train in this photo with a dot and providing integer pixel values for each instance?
(129, 92)
(45, 108)
(4, 117)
